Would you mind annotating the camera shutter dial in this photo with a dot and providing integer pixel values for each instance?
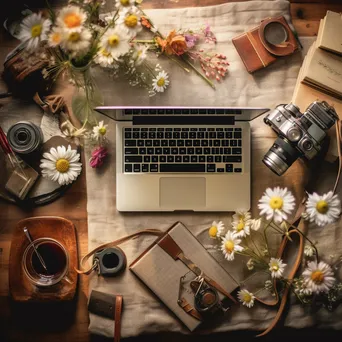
(294, 134)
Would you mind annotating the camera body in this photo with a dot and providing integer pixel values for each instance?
(299, 134)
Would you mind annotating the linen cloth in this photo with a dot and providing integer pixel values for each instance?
(143, 312)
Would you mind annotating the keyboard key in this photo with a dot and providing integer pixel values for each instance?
(178, 159)
(218, 159)
(220, 169)
(162, 159)
(238, 129)
(237, 169)
(236, 150)
(154, 159)
(196, 142)
(148, 142)
(192, 135)
(160, 135)
(220, 135)
(158, 150)
(173, 168)
(172, 143)
(156, 142)
(201, 159)
(180, 142)
(210, 159)
(227, 150)
(128, 167)
(170, 159)
(239, 142)
(229, 135)
(133, 159)
(141, 143)
(164, 142)
(136, 167)
(198, 150)
(153, 167)
(166, 150)
(144, 111)
(150, 150)
(186, 159)
(190, 150)
(131, 151)
(233, 143)
(130, 143)
(144, 168)
(142, 150)
(237, 135)
(184, 135)
(168, 135)
(174, 150)
(136, 135)
(147, 159)
(182, 150)
(229, 167)
(211, 167)
(232, 159)
(128, 135)
(193, 111)
(194, 159)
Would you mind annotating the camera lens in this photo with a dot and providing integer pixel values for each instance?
(280, 156)
(307, 145)
(294, 134)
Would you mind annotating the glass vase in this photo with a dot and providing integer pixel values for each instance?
(86, 96)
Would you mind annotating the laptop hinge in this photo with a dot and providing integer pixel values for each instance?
(183, 120)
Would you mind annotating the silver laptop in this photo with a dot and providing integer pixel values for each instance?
(182, 158)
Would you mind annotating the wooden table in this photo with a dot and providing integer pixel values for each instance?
(13, 327)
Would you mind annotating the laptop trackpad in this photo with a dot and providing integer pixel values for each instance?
(182, 193)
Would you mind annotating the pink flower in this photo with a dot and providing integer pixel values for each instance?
(98, 156)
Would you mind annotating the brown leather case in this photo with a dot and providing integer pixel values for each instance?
(254, 50)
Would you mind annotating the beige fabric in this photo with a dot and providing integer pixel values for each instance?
(143, 313)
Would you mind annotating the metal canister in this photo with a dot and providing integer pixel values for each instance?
(25, 137)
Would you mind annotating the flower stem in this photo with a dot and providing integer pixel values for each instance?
(144, 41)
(177, 62)
(198, 72)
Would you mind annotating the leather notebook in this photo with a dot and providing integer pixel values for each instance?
(160, 269)
(254, 46)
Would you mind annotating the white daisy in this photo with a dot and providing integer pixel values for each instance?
(124, 4)
(256, 224)
(161, 82)
(323, 209)
(230, 244)
(276, 203)
(250, 264)
(309, 250)
(216, 229)
(115, 41)
(276, 266)
(140, 54)
(61, 165)
(246, 298)
(71, 18)
(104, 58)
(304, 289)
(241, 228)
(242, 215)
(129, 21)
(318, 278)
(77, 41)
(33, 30)
(56, 36)
(99, 131)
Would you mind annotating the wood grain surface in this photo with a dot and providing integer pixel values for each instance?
(71, 324)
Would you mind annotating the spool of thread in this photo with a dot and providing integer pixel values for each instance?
(25, 137)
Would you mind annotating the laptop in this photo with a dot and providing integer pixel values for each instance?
(182, 158)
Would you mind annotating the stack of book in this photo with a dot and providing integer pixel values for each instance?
(320, 77)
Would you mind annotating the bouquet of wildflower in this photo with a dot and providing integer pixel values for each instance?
(249, 237)
(77, 37)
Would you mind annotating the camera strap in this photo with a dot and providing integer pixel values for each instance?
(297, 243)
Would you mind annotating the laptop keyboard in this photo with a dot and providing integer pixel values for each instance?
(182, 150)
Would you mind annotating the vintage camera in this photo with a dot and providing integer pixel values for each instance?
(299, 134)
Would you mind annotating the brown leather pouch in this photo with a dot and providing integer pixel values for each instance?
(264, 44)
(23, 74)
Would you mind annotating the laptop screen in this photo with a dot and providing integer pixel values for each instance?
(182, 115)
